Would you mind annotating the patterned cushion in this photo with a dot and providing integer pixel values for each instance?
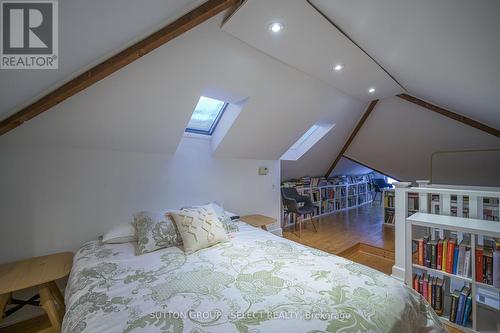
(199, 228)
(222, 216)
(154, 231)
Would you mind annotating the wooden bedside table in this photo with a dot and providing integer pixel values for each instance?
(41, 272)
(259, 221)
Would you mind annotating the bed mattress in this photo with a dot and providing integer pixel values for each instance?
(256, 282)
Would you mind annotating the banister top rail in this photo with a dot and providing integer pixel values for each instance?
(436, 190)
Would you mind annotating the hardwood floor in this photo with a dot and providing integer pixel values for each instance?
(39, 324)
(338, 232)
(371, 256)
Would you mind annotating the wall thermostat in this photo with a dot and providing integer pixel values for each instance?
(263, 171)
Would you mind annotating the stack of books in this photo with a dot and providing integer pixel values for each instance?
(461, 306)
(445, 255)
(431, 288)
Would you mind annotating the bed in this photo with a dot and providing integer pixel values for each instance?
(256, 282)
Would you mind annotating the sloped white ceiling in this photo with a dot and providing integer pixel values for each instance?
(443, 51)
(311, 44)
(348, 167)
(399, 137)
(89, 31)
(146, 105)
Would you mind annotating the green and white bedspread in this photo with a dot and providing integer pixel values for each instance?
(256, 282)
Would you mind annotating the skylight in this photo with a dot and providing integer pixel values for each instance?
(304, 137)
(306, 141)
(206, 115)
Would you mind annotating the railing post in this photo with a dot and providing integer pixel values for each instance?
(401, 203)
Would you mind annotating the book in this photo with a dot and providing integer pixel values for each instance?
(445, 252)
(467, 264)
(467, 311)
(415, 282)
(427, 253)
(433, 245)
(461, 257)
(453, 307)
(496, 264)
(449, 254)
(464, 293)
(439, 258)
(455, 260)
(488, 265)
(439, 297)
(433, 292)
(421, 251)
(425, 287)
(479, 263)
(429, 289)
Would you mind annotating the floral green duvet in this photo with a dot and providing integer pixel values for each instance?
(256, 282)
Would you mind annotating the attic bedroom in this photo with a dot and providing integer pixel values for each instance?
(249, 166)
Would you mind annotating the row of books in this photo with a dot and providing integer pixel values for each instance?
(461, 306)
(490, 214)
(308, 181)
(389, 200)
(431, 288)
(413, 201)
(488, 263)
(389, 217)
(445, 255)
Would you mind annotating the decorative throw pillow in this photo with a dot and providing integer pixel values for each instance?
(121, 233)
(199, 228)
(154, 231)
(222, 216)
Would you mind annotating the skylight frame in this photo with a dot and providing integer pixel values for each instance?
(214, 123)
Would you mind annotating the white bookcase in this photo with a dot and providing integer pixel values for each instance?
(450, 212)
(329, 199)
(388, 207)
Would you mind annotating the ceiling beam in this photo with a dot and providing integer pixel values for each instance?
(186, 22)
(450, 114)
(369, 110)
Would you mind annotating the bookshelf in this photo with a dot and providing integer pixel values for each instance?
(389, 206)
(445, 217)
(332, 195)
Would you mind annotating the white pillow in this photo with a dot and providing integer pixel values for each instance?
(121, 233)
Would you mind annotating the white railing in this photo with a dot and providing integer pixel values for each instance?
(443, 210)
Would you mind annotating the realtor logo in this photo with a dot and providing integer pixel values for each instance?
(29, 36)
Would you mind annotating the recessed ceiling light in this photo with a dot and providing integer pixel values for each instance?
(371, 90)
(338, 67)
(276, 27)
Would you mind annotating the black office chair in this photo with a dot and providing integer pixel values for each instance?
(291, 200)
(379, 184)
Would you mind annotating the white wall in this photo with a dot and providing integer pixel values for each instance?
(348, 167)
(399, 137)
(55, 198)
(108, 151)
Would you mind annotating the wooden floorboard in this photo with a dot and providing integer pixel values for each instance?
(340, 231)
(38, 324)
(379, 263)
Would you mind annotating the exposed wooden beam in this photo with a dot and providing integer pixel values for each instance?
(450, 114)
(188, 21)
(369, 110)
